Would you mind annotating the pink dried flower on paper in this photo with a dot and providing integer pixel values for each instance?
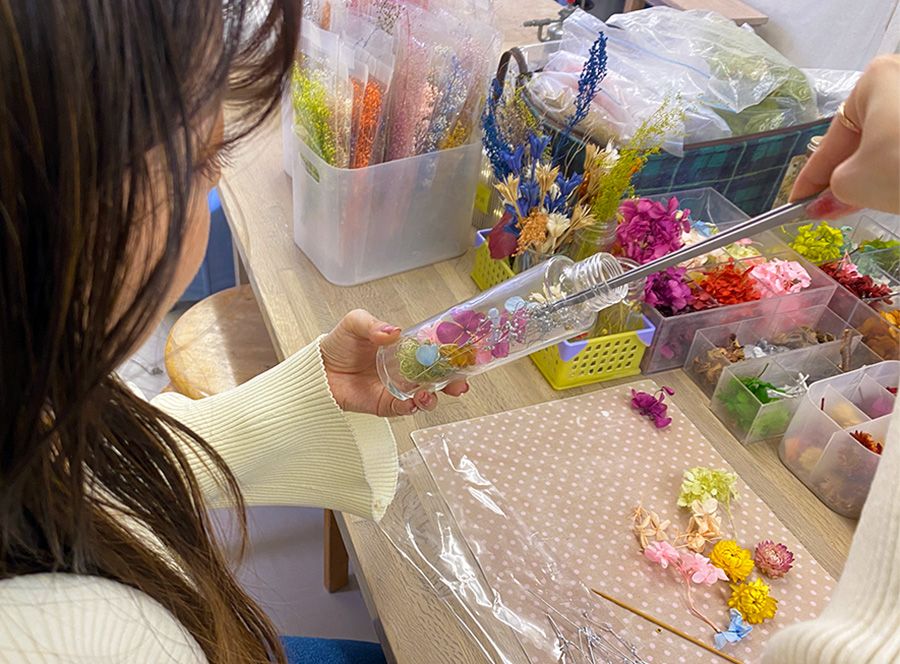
(650, 230)
(773, 560)
(697, 567)
(662, 553)
(778, 277)
(652, 406)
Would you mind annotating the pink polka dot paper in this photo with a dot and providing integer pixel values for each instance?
(572, 471)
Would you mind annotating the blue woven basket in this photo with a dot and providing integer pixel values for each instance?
(745, 169)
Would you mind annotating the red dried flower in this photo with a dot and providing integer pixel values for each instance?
(867, 441)
(730, 285)
(862, 285)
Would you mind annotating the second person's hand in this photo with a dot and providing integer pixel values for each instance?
(859, 158)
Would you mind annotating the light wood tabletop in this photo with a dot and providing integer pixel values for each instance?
(298, 304)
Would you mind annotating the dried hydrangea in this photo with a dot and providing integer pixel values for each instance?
(701, 483)
(819, 244)
(650, 230)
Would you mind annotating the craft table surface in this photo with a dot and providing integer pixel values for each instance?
(298, 304)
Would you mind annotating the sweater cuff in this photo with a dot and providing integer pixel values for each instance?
(289, 443)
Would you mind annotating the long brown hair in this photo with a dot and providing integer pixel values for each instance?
(87, 90)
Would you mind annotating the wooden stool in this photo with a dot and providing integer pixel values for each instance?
(222, 342)
(737, 11)
(218, 343)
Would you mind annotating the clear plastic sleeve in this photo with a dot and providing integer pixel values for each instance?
(532, 610)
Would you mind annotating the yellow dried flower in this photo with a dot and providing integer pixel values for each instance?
(735, 561)
(753, 601)
(534, 231)
(892, 317)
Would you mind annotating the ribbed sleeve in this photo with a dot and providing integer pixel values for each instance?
(288, 443)
(862, 621)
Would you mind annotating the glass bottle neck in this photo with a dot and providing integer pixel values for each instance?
(594, 272)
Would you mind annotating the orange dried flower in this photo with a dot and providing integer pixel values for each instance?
(730, 285)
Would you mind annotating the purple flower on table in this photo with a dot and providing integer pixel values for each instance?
(467, 326)
(652, 406)
(668, 290)
(650, 230)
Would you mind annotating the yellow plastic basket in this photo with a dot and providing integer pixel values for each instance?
(574, 362)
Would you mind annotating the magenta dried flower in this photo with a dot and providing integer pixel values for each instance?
(466, 326)
(669, 291)
(652, 406)
(650, 230)
(773, 560)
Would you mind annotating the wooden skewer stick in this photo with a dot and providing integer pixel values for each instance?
(668, 628)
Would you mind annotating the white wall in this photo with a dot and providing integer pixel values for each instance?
(831, 34)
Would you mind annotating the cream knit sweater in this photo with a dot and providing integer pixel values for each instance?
(288, 443)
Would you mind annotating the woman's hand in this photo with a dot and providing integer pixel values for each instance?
(349, 355)
(861, 163)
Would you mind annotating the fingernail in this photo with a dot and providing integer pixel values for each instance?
(827, 206)
(389, 329)
(414, 410)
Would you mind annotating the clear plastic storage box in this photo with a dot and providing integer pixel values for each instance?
(675, 334)
(357, 225)
(821, 445)
(800, 331)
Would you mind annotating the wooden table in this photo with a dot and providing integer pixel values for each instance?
(298, 305)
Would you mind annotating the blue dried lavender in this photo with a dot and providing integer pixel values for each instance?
(593, 73)
(499, 152)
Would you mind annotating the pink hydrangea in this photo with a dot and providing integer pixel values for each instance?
(778, 277)
(650, 230)
(662, 553)
(697, 567)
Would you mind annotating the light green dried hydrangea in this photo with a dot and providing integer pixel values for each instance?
(702, 483)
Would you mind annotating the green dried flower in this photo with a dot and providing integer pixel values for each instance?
(647, 140)
(819, 244)
(413, 370)
(312, 113)
(701, 483)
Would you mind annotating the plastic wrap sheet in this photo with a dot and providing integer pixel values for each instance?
(727, 79)
(530, 609)
(743, 70)
(832, 86)
(514, 517)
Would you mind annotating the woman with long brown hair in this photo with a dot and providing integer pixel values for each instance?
(110, 128)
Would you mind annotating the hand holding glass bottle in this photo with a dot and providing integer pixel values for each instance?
(515, 318)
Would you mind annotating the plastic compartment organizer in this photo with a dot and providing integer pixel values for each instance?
(822, 446)
(801, 332)
(675, 334)
(361, 224)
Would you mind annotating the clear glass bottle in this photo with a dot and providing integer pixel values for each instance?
(515, 318)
